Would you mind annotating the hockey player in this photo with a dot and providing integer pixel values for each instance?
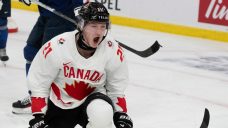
(5, 11)
(79, 77)
(47, 26)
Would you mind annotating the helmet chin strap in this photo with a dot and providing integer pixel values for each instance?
(82, 45)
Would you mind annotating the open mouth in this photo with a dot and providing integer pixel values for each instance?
(96, 39)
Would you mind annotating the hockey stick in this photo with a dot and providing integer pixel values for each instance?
(206, 119)
(149, 51)
(53, 11)
(145, 53)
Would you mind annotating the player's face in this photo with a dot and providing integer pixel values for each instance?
(93, 33)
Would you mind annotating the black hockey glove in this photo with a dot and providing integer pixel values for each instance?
(37, 122)
(122, 120)
(26, 2)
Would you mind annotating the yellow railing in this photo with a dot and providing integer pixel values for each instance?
(150, 25)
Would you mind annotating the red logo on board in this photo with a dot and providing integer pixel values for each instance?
(214, 12)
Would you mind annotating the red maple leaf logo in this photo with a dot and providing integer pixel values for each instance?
(79, 90)
(122, 103)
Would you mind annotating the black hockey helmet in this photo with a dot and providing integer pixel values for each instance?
(92, 11)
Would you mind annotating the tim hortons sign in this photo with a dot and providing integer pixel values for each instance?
(214, 12)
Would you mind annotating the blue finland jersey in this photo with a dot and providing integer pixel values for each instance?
(64, 6)
(6, 11)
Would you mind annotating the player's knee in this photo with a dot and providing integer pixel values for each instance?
(30, 52)
(100, 114)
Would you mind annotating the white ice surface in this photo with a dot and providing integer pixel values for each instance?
(169, 89)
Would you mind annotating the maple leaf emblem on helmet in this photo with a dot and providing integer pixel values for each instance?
(79, 90)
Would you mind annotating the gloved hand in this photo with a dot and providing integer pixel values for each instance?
(26, 2)
(37, 122)
(122, 120)
(1, 4)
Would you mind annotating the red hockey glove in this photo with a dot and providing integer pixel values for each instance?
(122, 120)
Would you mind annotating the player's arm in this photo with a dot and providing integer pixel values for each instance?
(43, 70)
(42, 73)
(117, 81)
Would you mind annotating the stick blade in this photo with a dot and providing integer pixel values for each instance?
(145, 53)
(151, 50)
(206, 119)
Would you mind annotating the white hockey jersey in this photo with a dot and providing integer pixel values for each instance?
(59, 72)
